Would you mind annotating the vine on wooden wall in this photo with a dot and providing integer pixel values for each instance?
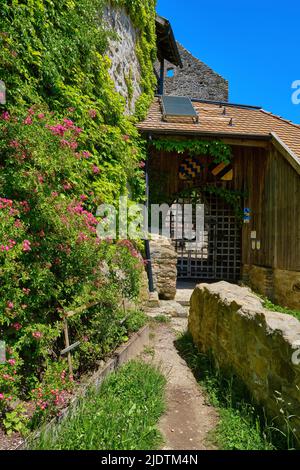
(220, 152)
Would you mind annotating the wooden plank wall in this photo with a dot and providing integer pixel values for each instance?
(273, 188)
(274, 198)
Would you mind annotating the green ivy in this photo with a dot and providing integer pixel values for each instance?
(220, 152)
(53, 54)
(232, 197)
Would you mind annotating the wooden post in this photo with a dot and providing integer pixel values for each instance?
(67, 344)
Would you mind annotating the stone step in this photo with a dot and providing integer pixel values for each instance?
(184, 303)
(169, 308)
(153, 301)
(183, 296)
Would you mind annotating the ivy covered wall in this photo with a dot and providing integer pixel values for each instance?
(66, 146)
(54, 54)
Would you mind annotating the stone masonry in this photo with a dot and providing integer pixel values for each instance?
(195, 79)
(281, 286)
(164, 267)
(125, 67)
(261, 347)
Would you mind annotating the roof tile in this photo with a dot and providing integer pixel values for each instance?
(246, 121)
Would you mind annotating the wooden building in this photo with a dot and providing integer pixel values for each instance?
(260, 247)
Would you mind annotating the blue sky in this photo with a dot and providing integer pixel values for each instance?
(253, 44)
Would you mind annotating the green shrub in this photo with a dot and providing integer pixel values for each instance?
(65, 147)
(51, 259)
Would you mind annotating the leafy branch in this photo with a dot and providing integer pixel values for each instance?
(220, 152)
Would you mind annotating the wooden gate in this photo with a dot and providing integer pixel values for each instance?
(215, 254)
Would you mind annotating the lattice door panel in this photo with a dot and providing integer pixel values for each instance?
(217, 255)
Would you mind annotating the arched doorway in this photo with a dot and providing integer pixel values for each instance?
(216, 253)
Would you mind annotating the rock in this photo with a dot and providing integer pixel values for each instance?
(153, 301)
(281, 286)
(173, 308)
(257, 345)
(164, 267)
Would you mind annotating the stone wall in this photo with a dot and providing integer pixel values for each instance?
(164, 267)
(261, 347)
(125, 67)
(281, 286)
(195, 79)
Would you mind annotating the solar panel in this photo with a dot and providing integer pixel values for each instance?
(178, 106)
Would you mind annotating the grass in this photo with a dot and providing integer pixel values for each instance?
(242, 425)
(149, 351)
(277, 308)
(162, 319)
(122, 415)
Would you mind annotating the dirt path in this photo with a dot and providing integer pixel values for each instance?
(188, 420)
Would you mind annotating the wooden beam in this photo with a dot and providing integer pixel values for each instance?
(247, 142)
(289, 155)
(71, 313)
(70, 348)
(67, 344)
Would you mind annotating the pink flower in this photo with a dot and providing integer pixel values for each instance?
(82, 237)
(1, 396)
(58, 129)
(11, 362)
(18, 223)
(83, 197)
(96, 169)
(10, 305)
(142, 164)
(77, 130)
(40, 179)
(16, 326)
(26, 245)
(14, 144)
(92, 113)
(69, 123)
(25, 205)
(5, 116)
(37, 334)
(54, 194)
(73, 145)
(28, 121)
(67, 186)
(26, 291)
(41, 115)
(86, 154)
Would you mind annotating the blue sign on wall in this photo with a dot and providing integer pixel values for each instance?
(247, 215)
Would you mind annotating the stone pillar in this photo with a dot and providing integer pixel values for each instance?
(164, 267)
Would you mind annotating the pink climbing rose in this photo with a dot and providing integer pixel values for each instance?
(26, 245)
(96, 169)
(37, 334)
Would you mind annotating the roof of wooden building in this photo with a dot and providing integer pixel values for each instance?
(228, 120)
